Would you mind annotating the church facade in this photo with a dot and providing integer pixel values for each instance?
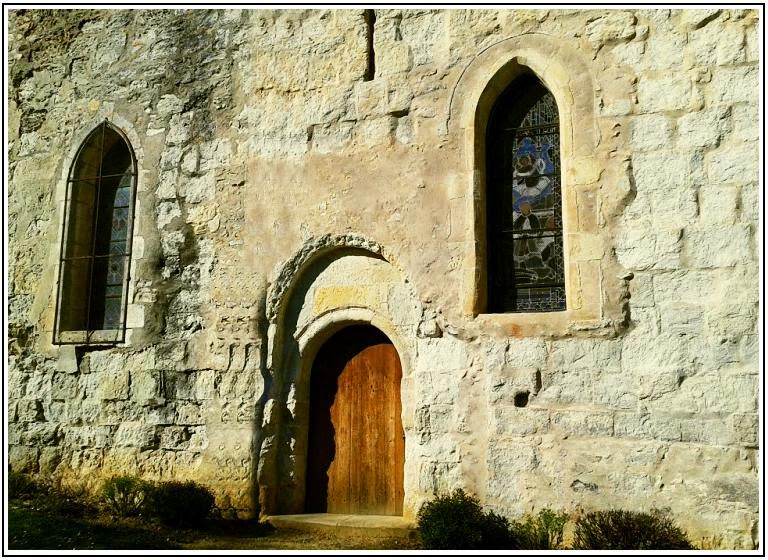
(344, 260)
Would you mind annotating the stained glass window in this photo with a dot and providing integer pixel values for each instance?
(524, 202)
(95, 256)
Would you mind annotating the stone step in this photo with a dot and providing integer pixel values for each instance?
(348, 524)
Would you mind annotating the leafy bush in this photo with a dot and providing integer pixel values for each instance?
(457, 522)
(21, 485)
(180, 503)
(126, 496)
(627, 530)
(451, 521)
(543, 532)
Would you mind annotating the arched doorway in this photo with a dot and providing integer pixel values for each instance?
(356, 447)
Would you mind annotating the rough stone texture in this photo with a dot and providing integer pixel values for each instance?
(281, 195)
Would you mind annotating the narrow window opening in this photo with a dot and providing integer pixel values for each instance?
(96, 248)
(526, 271)
(370, 23)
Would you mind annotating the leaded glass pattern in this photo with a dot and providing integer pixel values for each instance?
(95, 259)
(525, 232)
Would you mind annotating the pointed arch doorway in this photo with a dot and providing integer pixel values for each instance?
(356, 447)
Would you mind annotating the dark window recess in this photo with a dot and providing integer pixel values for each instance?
(96, 249)
(524, 201)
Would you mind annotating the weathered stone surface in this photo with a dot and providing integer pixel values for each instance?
(282, 195)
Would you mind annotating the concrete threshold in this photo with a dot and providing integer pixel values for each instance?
(348, 524)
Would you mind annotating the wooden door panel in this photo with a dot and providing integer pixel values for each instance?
(356, 433)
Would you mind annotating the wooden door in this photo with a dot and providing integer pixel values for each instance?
(356, 446)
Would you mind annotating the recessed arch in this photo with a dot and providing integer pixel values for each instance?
(97, 240)
(563, 72)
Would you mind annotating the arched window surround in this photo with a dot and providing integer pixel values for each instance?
(95, 249)
(567, 76)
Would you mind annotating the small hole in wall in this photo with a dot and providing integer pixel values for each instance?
(521, 399)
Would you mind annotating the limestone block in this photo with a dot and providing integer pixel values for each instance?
(393, 58)
(117, 412)
(667, 181)
(64, 386)
(332, 137)
(615, 391)
(615, 26)
(439, 477)
(665, 51)
(561, 387)
(198, 438)
(85, 411)
(585, 354)
(169, 161)
(134, 316)
(371, 99)
(745, 429)
(717, 246)
(441, 354)
(167, 212)
(732, 319)
(702, 128)
(376, 132)
(512, 381)
(50, 459)
(160, 415)
(711, 394)
(526, 352)
(29, 410)
(205, 385)
(190, 161)
(646, 426)
(641, 353)
(180, 129)
(147, 387)
(630, 485)
(652, 385)
(40, 434)
(745, 122)
(731, 85)
(514, 421)
(696, 18)
(198, 189)
(582, 423)
(733, 164)
(730, 47)
(506, 458)
(749, 350)
(403, 308)
(681, 318)
(704, 430)
(112, 384)
(166, 187)
(648, 132)
(670, 93)
(135, 434)
(188, 413)
(67, 361)
(718, 204)
(88, 437)
(174, 437)
(169, 105)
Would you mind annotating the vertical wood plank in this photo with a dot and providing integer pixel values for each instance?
(358, 383)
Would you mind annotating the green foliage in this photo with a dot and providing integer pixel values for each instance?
(542, 532)
(126, 496)
(451, 521)
(21, 485)
(626, 530)
(180, 503)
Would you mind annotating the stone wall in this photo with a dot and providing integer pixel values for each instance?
(271, 169)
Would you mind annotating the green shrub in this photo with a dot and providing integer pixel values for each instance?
(126, 496)
(180, 503)
(451, 521)
(627, 530)
(22, 485)
(543, 532)
(457, 522)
